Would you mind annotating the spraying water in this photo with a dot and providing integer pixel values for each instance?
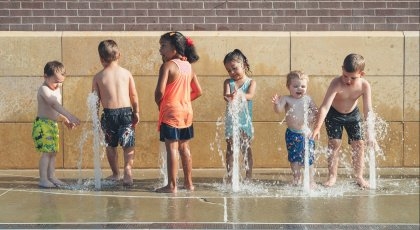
(237, 106)
(163, 160)
(92, 102)
(306, 176)
(376, 129)
(217, 144)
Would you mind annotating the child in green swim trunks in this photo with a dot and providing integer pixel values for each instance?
(45, 132)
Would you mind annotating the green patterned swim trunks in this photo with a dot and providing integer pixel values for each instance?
(45, 134)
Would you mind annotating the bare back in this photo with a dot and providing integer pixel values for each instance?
(112, 85)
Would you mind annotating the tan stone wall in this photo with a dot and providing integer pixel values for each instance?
(392, 68)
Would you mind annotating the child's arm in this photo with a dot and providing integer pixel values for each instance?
(51, 100)
(161, 84)
(279, 103)
(95, 88)
(134, 100)
(66, 121)
(195, 88)
(368, 111)
(313, 112)
(251, 90)
(323, 109)
(367, 99)
(227, 95)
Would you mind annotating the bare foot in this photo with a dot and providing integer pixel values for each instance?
(248, 176)
(248, 180)
(189, 187)
(128, 184)
(295, 182)
(128, 177)
(362, 183)
(128, 181)
(330, 182)
(46, 184)
(57, 182)
(114, 177)
(228, 180)
(166, 189)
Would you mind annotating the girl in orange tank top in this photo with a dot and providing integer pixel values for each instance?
(177, 86)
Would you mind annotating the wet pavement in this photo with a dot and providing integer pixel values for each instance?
(268, 202)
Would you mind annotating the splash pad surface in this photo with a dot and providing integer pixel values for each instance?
(267, 202)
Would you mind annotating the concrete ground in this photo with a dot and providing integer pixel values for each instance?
(268, 202)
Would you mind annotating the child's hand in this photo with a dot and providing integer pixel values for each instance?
(279, 103)
(74, 120)
(307, 132)
(69, 124)
(314, 135)
(229, 97)
(136, 119)
(276, 99)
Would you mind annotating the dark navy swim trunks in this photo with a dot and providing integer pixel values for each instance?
(168, 132)
(118, 128)
(352, 123)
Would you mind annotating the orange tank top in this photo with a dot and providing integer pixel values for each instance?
(175, 107)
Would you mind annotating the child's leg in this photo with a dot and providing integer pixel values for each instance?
(358, 157)
(172, 166)
(128, 165)
(184, 151)
(296, 173)
(249, 163)
(51, 171)
(311, 176)
(229, 160)
(333, 157)
(44, 162)
(112, 156)
(247, 152)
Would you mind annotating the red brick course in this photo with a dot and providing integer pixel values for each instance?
(209, 15)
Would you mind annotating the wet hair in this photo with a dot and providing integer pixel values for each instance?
(54, 67)
(108, 51)
(296, 74)
(353, 63)
(184, 46)
(238, 56)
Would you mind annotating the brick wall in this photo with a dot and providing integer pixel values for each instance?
(209, 15)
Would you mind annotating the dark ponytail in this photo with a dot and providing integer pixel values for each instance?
(184, 46)
(238, 56)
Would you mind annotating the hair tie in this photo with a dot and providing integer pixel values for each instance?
(189, 42)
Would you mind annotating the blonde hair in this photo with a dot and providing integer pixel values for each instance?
(296, 74)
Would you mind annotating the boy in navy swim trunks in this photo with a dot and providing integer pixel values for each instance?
(339, 109)
(45, 131)
(118, 95)
(298, 129)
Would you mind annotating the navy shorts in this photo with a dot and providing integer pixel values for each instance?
(351, 122)
(168, 132)
(117, 125)
(295, 144)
